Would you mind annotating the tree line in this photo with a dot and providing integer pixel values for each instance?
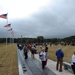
(40, 39)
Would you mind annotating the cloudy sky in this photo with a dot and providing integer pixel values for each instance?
(32, 18)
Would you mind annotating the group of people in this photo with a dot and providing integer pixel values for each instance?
(59, 55)
(31, 48)
(43, 55)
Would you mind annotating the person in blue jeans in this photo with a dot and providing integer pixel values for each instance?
(59, 55)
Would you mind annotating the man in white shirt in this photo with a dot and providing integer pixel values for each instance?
(73, 62)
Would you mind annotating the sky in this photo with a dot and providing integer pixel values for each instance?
(32, 18)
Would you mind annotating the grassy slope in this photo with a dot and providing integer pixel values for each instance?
(8, 60)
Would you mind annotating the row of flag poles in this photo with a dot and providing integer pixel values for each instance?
(4, 16)
(8, 26)
(10, 29)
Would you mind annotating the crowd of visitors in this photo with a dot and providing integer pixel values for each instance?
(43, 55)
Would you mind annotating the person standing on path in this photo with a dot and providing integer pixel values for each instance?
(43, 57)
(59, 55)
(46, 49)
(73, 63)
(25, 51)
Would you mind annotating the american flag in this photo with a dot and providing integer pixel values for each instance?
(10, 29)
(8, 25)
(4, 16)
(12, 33)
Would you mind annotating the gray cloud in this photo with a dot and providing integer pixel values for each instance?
(56, 21)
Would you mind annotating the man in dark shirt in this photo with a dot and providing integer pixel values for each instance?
(46, 48)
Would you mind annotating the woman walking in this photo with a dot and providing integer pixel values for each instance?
(43, 57)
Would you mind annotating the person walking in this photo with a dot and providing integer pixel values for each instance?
(25, 51)
(59, 55)
(73, 63)
(32, 52)
(46, 50)
(40, 52)
(43, 57)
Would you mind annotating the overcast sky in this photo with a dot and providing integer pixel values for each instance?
(32, 18)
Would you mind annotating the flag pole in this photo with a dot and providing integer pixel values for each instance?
(13, 39)
(5, 16)
(6, 36)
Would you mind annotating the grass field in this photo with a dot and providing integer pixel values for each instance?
(9, 62)
(68, 51)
